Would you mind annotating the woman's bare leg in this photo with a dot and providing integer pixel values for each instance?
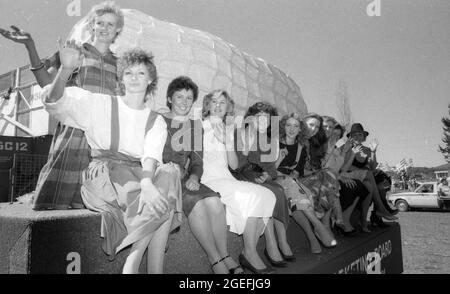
(157, 246)
(252, 231)
(216, 215)
(301, 219)
(200, 225)
(347, 213)
(326, 221)
(321, 231)
(365, 205)
(378, 204)
(271, 241)
(280, 228)
(134, 259)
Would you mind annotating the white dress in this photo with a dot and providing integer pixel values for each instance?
(242, 199)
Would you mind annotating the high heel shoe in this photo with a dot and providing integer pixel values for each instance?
(386, 216)
(331, 244)
(275, 263)
(238, 270)
(216, 263)
(315, 247)
(365, 230)
(345, 233)
(393, 211)
(247, 265)
(290, 258)
(378, 221)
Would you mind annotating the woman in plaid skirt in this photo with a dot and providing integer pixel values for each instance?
(59, 182)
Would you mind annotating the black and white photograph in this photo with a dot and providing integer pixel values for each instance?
(225, 137)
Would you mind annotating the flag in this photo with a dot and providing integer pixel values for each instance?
(402, 165)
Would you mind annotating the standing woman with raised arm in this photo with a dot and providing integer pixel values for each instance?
(59, 182)
(126, 180)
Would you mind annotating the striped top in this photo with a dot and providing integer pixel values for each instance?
(97, 74)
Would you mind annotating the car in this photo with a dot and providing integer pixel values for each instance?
(425, 196)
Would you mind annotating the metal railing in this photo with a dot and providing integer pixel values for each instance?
(24, 173)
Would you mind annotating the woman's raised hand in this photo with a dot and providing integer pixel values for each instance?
(350, 183)
(17, 35)
(373, 145)
(347, 146)
(70, 54)
(224, 134)
(219, 131)
(357, 149)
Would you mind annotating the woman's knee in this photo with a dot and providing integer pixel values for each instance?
(198, 211)
(214, 205)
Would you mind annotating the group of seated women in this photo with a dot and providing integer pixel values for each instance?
(249, 178)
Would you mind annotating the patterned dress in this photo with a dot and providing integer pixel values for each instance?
(121, 138)
(59, 182)
(324, 184)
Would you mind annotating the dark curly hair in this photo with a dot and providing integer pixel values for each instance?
(317, 143)
(181, 83)
(341, 128)
(262, 107)
(134, 57)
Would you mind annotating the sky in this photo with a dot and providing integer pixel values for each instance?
(396, 65)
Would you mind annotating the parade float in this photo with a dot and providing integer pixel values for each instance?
(72, 236)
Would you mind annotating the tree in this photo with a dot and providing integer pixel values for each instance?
(343, 105)
(445, 149)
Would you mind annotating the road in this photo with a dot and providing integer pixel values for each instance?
(425, 242)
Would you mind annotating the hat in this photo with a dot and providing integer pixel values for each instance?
(357, 128)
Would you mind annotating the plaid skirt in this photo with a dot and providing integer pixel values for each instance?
(59, 182)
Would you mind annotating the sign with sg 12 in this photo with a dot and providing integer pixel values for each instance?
(10, 145)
